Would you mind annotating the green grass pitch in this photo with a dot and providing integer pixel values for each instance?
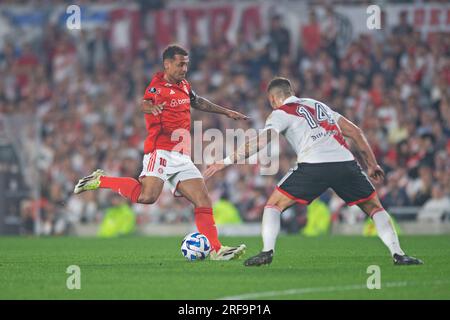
(332, 267)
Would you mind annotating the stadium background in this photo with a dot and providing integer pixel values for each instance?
(69, 103)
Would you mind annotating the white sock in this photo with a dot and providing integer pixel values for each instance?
(387, 232)
(270, 227)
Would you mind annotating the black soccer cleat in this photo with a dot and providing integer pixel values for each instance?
(405, 260)
(264, 257)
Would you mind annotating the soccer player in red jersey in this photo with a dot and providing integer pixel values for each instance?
(166, 106)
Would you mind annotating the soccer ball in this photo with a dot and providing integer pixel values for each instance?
(195, 246)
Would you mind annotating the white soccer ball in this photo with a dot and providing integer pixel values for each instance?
(195, 246)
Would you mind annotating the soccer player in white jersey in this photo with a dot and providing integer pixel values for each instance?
(316, 133)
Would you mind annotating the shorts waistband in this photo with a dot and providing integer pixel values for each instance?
(319, 164)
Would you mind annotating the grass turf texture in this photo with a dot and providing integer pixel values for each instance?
(333, 267)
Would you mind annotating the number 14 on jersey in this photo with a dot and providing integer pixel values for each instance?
(319, 115)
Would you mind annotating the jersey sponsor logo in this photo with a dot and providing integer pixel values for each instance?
(176, 102)
(324, 134)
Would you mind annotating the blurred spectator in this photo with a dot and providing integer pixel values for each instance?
(395, 192)
(403, 29)
(119, 219)
(197, 53)
(280, 42)
(27, 218)
(329, 31)
(311, 36)
(419, 189)
(318, 219)
(435, 208)
(99, 50)
(225, 212)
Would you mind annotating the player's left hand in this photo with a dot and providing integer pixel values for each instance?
(236, 115)
(376, 173)
(212, 169)
(147, 106)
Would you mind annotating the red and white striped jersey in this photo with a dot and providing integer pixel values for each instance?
(312, 130)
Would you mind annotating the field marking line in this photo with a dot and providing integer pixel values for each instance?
(266, 294)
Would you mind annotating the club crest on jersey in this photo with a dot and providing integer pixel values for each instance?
(153, 90)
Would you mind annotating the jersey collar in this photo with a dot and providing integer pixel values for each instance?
(291, 99)
(163, 81)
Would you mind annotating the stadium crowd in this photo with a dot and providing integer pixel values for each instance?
(394, 85)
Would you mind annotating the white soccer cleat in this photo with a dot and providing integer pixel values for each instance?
(228, 253)
(90, 182)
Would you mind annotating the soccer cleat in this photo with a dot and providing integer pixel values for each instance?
(228, 253)
(405, 260)
(264, 257)
(91, 182)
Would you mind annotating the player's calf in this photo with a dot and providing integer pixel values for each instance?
(386, 231)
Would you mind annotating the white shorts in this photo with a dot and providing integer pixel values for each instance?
(169, 166)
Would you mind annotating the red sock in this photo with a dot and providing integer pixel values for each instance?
(204, 220)
(127, 187)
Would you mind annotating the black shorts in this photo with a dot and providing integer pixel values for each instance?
(307, 181)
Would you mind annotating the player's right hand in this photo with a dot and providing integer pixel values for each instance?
(212, 169)
(236, 115)
(376, 173)
(147, 106)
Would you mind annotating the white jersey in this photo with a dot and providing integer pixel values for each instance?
(311, 128)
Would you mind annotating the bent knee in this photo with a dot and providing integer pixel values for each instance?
(202, 202)
(280, 201)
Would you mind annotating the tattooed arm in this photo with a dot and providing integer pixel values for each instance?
(203, 104)
(253, 146)
(244, 151)
(349, 129)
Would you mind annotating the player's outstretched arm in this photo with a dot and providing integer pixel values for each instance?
(242, 152)
(352, 131)
(204, 104)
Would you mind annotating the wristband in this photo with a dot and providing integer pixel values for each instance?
(227, 161)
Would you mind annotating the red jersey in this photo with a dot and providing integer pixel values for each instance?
(164, 129)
